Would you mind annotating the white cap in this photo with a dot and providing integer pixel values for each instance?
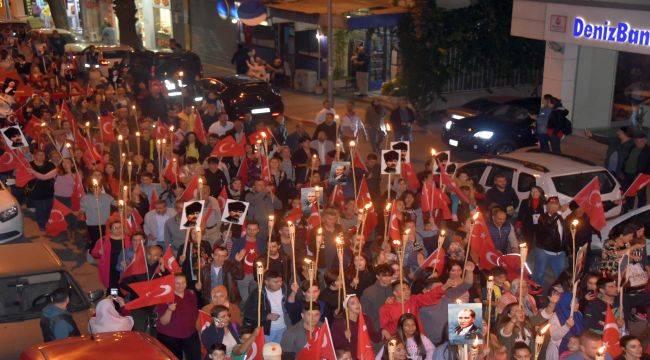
(272, 351)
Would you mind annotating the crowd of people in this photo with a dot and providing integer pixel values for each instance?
(375, 263)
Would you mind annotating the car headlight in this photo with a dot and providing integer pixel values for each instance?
(169, 85)
(457, 117)
(485, 134)
(448, 124)
(9, 214)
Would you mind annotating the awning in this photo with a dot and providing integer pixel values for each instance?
(374, 21)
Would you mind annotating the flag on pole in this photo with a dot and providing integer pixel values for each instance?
(256, 350)
(57, 224)
(137, 266)
(320, 346)
(639, 183)
(482, 247)
(409, 175)
(364, 344)
(152, 292)
(169, 261)
(228, 147)
(199, 130)
(590, 201)
(106, 125)
(363, 198)
(204, 320)
(611, 334)
(435, 261)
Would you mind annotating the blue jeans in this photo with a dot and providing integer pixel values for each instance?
(403, 133)
(543, 260)
(275, 335)
(544, 142)
(42, 209)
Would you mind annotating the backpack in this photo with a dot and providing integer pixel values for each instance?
(566, 126)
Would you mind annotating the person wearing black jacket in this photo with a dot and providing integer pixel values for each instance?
(529, 212)
(618, 148)
(557, 126)
(503, 195)
(221, 271)
(553, 240)
(637, 162)
(584, 231)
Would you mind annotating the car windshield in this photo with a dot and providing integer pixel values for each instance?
(115, 54)
(173, 64)
(23, 297)
(480, 104)
(569, 185)
(507, 112)
(69, 38)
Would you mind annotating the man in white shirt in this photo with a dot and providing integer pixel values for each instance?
(154, 223)
(327, 108)
(221, 126)
(351, 124)
(322, 147)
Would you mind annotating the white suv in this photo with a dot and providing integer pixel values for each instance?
(559, 175)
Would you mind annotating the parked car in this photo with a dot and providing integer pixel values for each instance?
(615, 226)
(29, 273)
(14, 28)
(109, 55)
(500, 130)
(243, 95)
(65, 34)
(558, 175)
(476, 106)
(11, 217)
(113, 345)
(175, 69)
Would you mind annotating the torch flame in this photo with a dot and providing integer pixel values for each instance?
(544, 329)
(353, 143)
(433, 152)
(475, 216)
(575, 222)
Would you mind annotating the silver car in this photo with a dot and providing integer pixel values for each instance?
(11, 217)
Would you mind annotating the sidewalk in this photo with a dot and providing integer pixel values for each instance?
(303, 107)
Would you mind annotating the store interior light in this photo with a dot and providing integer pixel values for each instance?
(264, 23)
(234, 21)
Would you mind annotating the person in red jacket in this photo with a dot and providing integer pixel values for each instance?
(390, 312)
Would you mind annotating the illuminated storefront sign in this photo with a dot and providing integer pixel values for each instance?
(620, 33)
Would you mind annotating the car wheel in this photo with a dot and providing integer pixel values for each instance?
(503, 148)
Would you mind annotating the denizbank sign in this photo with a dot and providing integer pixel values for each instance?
(621, 32)
(609, 28)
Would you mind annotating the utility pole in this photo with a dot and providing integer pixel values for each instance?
(330, 39)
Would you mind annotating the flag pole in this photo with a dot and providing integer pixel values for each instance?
(573, 228)
(121, 204)
(270, 226)
(260, 284)
(353, 144)
(469, 239)
(310, 272)
(523, 251)
(95, 183)
(490, 289)
(292, 233)
(198, 252)
(441, 240)
(187, 238)
(339, 252)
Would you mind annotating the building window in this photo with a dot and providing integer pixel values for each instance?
(632, 89)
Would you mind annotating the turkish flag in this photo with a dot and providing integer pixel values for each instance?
(8, 161)
(590, 201)
(314, 218)
(611, 334)
(57, 224)
(319, 346)
(266, 171)
(293, 215)
(258, 135)
(153, 199)
(449, 183)
(199, 130)
(169, 261)
(106, 125)
(170, 172)
(22, 175)
(358, 163)
(364, 344)
(137, 266)
(188, 194)
(435, 261)
(441, 201)
(409, 175)
(255, 351)
(67, 115)
(639, 183)
(204, 320)
(222, 199)
(78, 192)
(482, 247)
(152, 292)
(228, 147)
(160, 131)
(394, 232)
(33, 127)
(242, 172)
(426, 196)
(363, 198)
(338, 198)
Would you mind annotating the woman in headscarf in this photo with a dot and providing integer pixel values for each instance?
(219, 296)
(107, 319)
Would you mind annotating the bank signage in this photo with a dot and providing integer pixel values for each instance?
(616, 29)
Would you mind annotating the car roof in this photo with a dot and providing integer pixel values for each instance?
(239, 80)
(120, 345)
(549, 163)
(81, 46)
(28, 258)
(14, 21)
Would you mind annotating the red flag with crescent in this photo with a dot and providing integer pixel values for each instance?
(426, 196)
(137, 266)
(204, 320)
(450, 184)
(611, 334)
(106, 126)
(152, 292)
(258, 135)
(639, 183)
(314, 218)
(242, 172)
(33, 127)
(78, 192)
(256, 350)
(8, 161)
(358, 163)
(222, 199)
(590, 201)
(394, 232)
(188, 194)
(264, 165)
(364, 344)
(22, 173)
(435, 261)
(199, 130)
(320, 345)
(441, 201)
(293, 215)
(228, 147)
(337, 197)
(160, 131)
(171, 171)
(153, 199)
(57, 224)
(362, 200)
(482, 248)
(169, 261)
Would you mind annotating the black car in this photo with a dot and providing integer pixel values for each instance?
(165, 66)
(243, 95)
(500, 130)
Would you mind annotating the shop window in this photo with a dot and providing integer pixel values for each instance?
(632, 89)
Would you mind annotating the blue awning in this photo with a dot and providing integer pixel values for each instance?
(252, 12)
(374, 21)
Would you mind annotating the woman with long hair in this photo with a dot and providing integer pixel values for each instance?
(418, 346)
(111, 179)
(529, 211)
(366, 276)
(344, 339)
(190, 146)
(64, 184)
